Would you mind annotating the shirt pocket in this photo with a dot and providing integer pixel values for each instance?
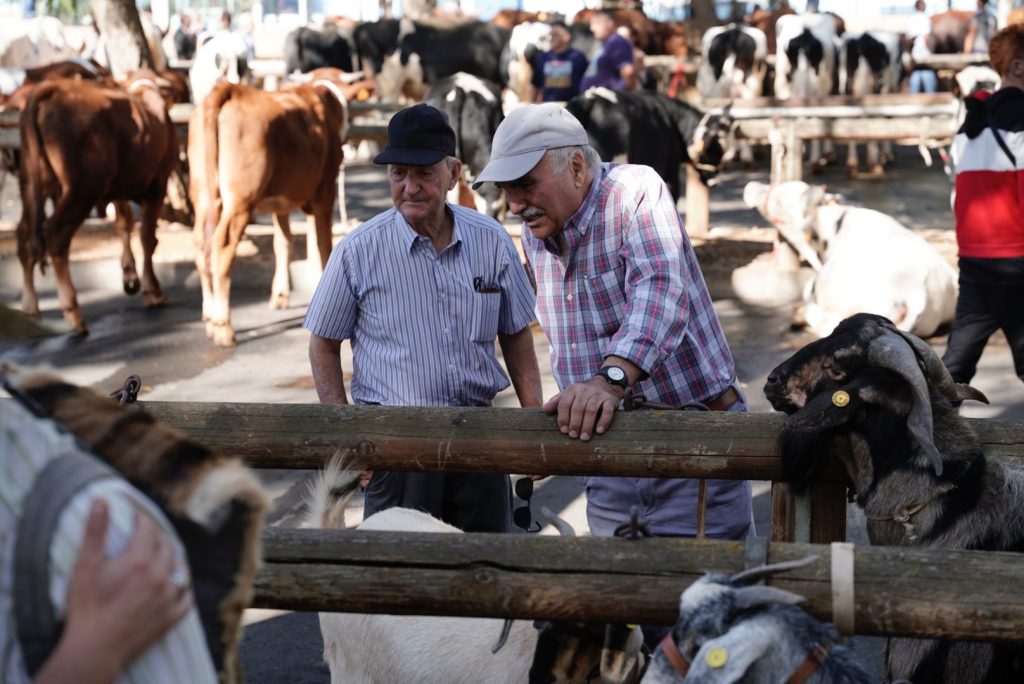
(606, 305)
(486, 309)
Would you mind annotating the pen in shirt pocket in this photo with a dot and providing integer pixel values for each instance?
(484, 287)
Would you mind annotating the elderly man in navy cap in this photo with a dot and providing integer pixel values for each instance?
(624, 304)
(422, 291)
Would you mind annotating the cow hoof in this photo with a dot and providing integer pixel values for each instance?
(79, 329)
(152, 300)
(878, 170)
(131, 286)
(278, 301)
(851, 171)
(223, 336)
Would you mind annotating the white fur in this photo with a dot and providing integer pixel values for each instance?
(874, 264)
(218, 488)
(382, 649)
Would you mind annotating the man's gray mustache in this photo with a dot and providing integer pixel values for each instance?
(531, 214)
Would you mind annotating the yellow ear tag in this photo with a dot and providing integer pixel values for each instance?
(840, 398)
(717, 657)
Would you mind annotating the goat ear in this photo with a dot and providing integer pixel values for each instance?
(755, 596)
(827, 410)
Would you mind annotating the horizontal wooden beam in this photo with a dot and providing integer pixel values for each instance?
(908, 130)
(898, 591)
(466, 439)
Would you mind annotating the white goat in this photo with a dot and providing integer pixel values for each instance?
(870, 262)
(383, 649)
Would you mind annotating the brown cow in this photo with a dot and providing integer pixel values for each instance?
(83, 145)
(765, 20)
(950, 31)
(284, 154)
(510, 18)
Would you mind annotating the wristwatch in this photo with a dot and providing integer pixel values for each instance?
(615, 376)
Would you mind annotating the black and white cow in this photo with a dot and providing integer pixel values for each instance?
(652, 129)
(474, 110)
(805, 61)
(870, 63)
(414, 55)
(734, 60)
(306, 49)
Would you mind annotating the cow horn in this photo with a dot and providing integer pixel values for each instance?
(937, 373)
(895, 352)
(761, 571)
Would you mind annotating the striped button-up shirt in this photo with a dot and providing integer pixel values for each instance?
(629, 285)
(26, 446)
(423, 323)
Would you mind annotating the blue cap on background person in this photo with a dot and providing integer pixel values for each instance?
(523, 138)
(418, 136)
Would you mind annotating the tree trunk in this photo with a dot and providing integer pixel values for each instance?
(118, 21)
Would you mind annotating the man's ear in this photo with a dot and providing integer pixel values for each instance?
(456, 174)
(579, 169)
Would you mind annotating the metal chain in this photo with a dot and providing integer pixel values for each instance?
(129, 392)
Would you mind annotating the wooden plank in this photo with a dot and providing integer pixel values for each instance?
(473, 439)
(902, 130)
(368, 131)
(899, 591)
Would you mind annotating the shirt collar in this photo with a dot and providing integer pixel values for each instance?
(409, 236)
(583, 217)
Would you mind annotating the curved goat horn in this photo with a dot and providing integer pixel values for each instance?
(754, 574)
(895, 352)
(564, 528)
(937, 373)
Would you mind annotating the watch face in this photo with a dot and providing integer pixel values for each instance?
(615, 373)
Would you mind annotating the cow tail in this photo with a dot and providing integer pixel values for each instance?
(34, 173)
(212, 105)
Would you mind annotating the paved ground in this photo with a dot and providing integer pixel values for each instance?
(168, 348)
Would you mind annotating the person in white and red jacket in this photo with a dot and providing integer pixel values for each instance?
(989, 209)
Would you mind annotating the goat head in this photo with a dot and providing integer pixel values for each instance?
(865, 363)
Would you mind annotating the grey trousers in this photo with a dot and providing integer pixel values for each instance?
(473, 502)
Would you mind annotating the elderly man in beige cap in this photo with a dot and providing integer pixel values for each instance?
(624, 305)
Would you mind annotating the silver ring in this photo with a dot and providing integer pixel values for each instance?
(179, 579)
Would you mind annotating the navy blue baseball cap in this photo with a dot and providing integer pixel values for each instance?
(418, 136)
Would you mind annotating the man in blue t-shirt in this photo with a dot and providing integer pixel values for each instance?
(612, 66)
(558, 72)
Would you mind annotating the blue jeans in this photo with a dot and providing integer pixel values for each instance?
(923, 81)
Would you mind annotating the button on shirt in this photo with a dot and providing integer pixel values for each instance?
(629, 285)
(423, 323)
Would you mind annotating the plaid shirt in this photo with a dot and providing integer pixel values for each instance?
(630, 286)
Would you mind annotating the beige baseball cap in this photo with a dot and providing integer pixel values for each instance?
(523, 138)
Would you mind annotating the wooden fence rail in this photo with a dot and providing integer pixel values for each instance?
(898, 591)
(462, 439)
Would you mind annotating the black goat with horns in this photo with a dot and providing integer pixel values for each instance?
(916, 467)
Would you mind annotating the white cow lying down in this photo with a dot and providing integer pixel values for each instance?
(383, 649)
(870, 262)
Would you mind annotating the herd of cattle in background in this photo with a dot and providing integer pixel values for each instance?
(251, 150)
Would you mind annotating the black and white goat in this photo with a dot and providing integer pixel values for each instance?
(380, 649)
(731, 630)
(916, 467)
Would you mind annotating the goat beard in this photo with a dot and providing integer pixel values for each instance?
(804, 454)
